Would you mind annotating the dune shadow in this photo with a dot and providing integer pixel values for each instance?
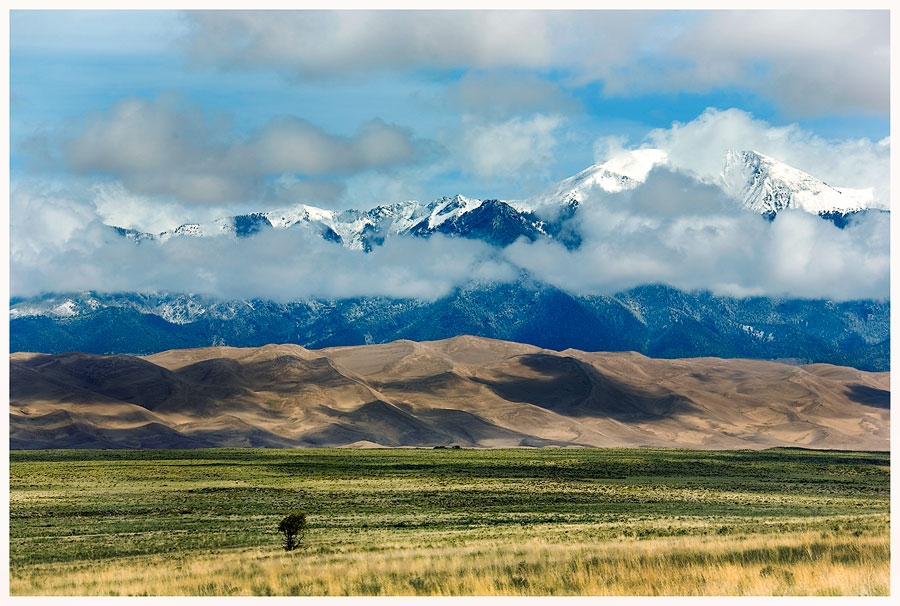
(574, 388)
(869, 396)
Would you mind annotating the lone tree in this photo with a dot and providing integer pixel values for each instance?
(292, 527)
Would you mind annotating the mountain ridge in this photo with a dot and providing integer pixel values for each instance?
(657, 320)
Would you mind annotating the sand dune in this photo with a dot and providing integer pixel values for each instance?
(465, 391)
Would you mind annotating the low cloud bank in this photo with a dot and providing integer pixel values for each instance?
(691, 236)
(672, 230)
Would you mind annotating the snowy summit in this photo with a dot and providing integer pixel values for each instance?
(767, 186)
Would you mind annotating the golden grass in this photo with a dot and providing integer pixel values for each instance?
(792, 563)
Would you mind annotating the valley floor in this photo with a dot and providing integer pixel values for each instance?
(554, 521)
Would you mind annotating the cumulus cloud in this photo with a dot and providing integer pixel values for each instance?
(162, 147)
(809, 62)
(292, 145)
(807, 257)
(676, 231)
(44, 221)
(115, 205)
(294, 264)
(698, 147)
(505, 149)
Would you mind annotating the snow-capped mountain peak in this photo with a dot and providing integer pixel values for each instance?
(635, 164)
(445, 209)
(767, 186)
(283, 218)
(621, 172)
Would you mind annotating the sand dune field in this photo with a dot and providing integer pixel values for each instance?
(465, 391)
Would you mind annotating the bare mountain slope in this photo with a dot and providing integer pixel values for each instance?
(463, 391)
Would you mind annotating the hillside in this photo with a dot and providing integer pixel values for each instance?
(465, 391)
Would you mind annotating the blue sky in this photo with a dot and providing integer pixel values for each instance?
(150, 119)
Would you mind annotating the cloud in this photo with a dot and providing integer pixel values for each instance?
(672, 230)
(698, 147)
(506, 149)
(165, 148)
(500, 95)
(292, 145)
(282, 265)
(807, 257)
(322, 44)
(675, 231)
(287, 189)
(116, 205)
(44, 221)
(809, 62)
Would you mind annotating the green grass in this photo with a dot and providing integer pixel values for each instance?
(72, 511)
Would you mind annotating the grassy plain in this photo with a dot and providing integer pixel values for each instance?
(450, 522)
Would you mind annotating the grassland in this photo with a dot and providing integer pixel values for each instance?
(450, 522)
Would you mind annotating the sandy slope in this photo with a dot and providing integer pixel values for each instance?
(463, 391)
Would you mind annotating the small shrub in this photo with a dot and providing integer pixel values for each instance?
(420, 585)
(292, 527)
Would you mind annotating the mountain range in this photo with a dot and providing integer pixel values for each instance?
(654, 320)
(464, 391)
(755, 182)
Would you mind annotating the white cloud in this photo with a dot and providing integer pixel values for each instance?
(812, 62)
(44, 221)
(116, 205)
(504, 149)
(675, 231)
(806, 256)
(699, 146)
(60, 245)
(292, 145)
(668, 231)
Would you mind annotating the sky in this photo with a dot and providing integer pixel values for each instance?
(151, 119)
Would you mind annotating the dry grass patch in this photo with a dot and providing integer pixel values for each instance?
(784, 564)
